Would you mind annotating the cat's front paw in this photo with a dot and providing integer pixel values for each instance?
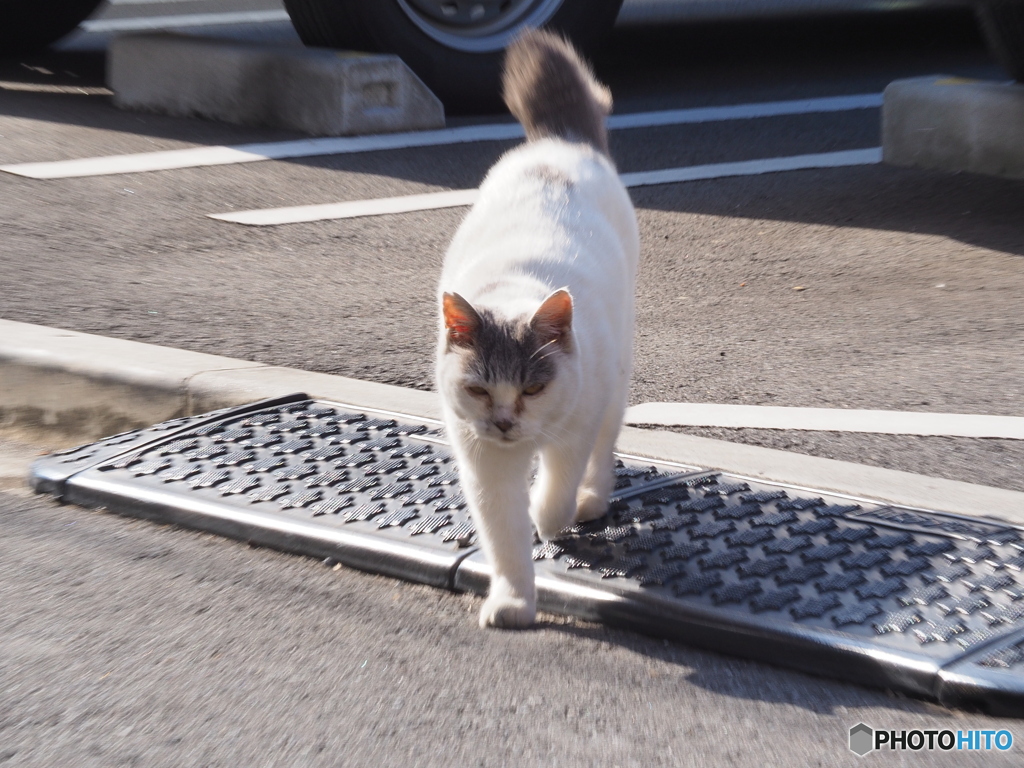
(507, 612)
(550, 520)
(590, 505)
(547, 531)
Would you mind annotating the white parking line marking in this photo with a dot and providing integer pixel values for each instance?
(451, 199)
(826, 420)
(841, 159)
(137, 24)
(351, 210)
(746, 111)
(148, 2)
(249, 153)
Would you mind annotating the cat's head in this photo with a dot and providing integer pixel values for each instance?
(509, 379)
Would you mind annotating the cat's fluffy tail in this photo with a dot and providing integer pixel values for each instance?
(553, 93)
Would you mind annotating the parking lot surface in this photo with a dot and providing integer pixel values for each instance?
(127, 643)
(862, 287)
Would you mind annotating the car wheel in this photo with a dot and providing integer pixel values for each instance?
(1002, 24)
(455, 46)
(29, 26)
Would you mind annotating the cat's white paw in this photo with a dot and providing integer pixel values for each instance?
(507, 612)
(590, 505)
(550, 523)
(547, 532)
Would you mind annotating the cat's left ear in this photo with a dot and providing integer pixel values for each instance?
(552, 321)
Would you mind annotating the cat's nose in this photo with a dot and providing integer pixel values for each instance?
(504, 425)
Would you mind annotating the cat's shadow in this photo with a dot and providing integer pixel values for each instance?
(738, 678)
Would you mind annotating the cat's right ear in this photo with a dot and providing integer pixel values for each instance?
(553, 320)
(460, 319)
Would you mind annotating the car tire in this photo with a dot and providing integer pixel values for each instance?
(1002, 24)
(28, 26)
(460, 62)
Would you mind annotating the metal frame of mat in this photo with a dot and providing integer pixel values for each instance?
(923, 602)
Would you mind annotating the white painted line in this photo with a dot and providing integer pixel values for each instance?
(148, 2)
(251, 153)
(826, 420)
(282, 150)
(137, 24)
(746, 111)
(351, 210)
(850, 157)
(452, 199)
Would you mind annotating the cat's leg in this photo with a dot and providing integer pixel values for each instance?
(599, 478)
(495, 481)
(553, 496)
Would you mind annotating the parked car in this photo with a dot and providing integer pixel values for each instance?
(455, 46)
(28, 25)
(1002, 24)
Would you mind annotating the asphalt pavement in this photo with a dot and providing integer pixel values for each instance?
(912, 279)
(129, 643)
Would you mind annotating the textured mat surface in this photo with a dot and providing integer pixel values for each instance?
(922, 602)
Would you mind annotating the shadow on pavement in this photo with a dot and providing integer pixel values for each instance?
(977, 210)
(670, 67)
(659, 67)
(741, 678)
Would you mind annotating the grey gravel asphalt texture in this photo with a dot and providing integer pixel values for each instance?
(719, 319)
(127, 643)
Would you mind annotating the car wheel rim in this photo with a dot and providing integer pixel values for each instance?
(477, 26)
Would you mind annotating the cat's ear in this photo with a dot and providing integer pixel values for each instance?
(460, 319)
(553, 319)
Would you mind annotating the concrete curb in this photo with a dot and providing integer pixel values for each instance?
(857, 480)
(954, 124)
(314, 90)
(85, 387)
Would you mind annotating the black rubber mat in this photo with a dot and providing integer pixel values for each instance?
(922, 602)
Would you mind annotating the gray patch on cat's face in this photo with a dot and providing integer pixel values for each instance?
(484, 378)
(507, 352)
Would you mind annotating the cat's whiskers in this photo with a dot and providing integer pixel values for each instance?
(476, 449)
(545, 356)
(560, 441)
(541, 348)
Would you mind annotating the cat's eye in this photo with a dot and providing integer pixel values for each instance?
(478, 391)
(533, 389)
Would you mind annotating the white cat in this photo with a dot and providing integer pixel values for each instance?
(536, 339)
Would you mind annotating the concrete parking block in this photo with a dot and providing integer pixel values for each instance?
(313, 90)
(955, 124)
